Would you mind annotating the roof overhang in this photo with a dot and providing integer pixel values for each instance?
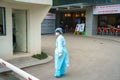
(77, 6)
(39, 2)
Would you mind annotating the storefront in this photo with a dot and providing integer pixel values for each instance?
(108, 18)
(97, 13)
(67, 16)
(70, 19)
(70, 15)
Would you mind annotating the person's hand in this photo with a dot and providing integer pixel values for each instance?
(68, 65)
(60, 55)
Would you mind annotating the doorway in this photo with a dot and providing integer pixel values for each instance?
(19, 18)
(71, 18)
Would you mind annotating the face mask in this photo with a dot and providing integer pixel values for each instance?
(56, 34)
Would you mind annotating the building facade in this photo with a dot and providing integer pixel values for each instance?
(93, 13)
(48, 24)
(20, 25)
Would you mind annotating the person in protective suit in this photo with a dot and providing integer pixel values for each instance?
(61, 54)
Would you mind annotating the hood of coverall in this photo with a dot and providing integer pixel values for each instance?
(59, 30)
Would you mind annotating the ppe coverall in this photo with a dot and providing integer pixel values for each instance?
(61, 62)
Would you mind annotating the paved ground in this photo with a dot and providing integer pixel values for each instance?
(8, 76)
(90, 59)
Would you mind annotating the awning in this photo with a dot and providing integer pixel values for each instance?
(77, 6)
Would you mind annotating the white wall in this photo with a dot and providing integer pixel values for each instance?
(36, 13)
(36, 17)
(6, 41)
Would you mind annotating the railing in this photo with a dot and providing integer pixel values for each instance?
(17, 70)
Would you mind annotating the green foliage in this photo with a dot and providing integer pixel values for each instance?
(40, 56)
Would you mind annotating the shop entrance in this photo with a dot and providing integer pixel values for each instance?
(70, 19)
(109, 19)
(19, 18)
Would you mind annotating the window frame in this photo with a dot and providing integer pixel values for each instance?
(3, 21)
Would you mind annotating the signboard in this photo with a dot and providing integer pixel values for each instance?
(50, 16)
(108, 9)
(81, 28)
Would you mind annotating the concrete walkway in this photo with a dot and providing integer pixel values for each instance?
(91, 58)
(24, 62)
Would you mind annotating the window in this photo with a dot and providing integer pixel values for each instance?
(2, 22)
